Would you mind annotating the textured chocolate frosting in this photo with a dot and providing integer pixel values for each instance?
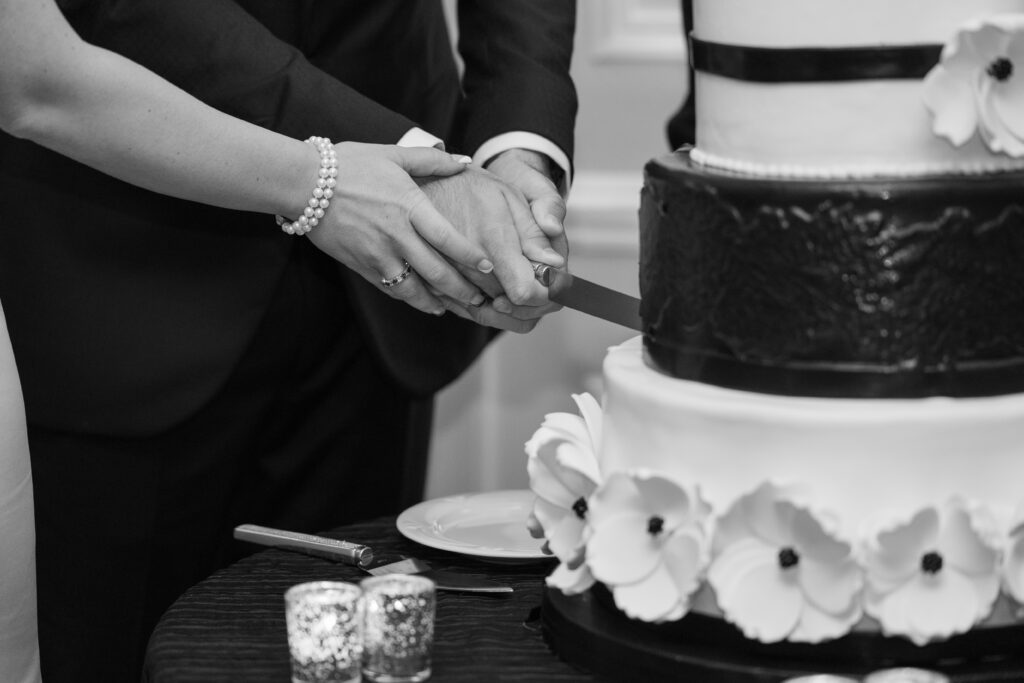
(866, 288)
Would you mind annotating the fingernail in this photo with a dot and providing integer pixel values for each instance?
(462, 158)
(438, 311)
(485, 266)
(502, 305)
(476, 300)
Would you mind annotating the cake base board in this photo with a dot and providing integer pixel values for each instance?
(588, 632)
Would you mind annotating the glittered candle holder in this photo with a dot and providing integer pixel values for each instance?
(325, 632)
(399, 628)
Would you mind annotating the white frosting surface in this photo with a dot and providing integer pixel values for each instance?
(833, 23)
(864, 460)
(849, 129)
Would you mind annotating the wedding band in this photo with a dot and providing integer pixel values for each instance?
(392, 281)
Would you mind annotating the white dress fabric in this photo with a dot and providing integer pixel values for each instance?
(19, 646)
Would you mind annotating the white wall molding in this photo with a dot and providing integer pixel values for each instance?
(602, 212)
(637, 30)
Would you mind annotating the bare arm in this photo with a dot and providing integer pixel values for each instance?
(109, 113)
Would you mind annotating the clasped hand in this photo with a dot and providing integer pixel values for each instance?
(469, 235)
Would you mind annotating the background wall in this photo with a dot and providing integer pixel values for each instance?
(630, 74)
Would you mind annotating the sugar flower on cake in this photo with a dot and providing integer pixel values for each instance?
(649, 543)
(564, 473)
(780, 571)
(978, 85)
(1013, 563)
(934, 575)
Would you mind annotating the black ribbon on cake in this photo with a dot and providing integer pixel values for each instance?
(811, 64)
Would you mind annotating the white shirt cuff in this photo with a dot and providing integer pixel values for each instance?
(531, 141)
(417, 137)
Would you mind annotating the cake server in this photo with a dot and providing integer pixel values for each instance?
(589, 297)
(362, 556)
(445, 580)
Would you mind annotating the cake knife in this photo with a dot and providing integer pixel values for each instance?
(589, 297)
(362, 556)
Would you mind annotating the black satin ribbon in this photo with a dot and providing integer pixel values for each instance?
(994, 378)
(812, 64)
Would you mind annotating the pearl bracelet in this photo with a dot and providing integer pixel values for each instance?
(322, 193)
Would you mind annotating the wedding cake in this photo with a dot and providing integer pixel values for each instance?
(820, 437)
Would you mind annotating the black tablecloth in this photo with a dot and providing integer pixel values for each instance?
(231, 626)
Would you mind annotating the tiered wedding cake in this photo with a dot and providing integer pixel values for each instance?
(822, 432)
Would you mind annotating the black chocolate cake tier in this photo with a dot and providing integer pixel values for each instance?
(862, 288)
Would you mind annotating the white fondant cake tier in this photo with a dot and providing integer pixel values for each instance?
(864, 460)
(851, 128)
(796, 519)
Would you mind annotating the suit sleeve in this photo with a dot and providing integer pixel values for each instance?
(517, 55)
(222, 55)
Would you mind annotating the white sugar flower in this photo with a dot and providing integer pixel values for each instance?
(979, 85)
(1013, 563)
(649, 544)
(780, 573)
(934, 575)
(564, 473)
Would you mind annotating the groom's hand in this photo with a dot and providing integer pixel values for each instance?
(533, 174)
(497, 217)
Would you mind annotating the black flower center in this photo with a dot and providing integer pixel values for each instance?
(580, 507)
(1000, 69)
(931, 563)
(655, 525)
(788, 558)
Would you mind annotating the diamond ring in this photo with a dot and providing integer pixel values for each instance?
(392, 281)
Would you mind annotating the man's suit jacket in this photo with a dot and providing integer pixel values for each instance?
(129, 309)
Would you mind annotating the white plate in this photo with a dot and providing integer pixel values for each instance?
(488, 525)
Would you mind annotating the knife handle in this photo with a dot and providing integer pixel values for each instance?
(554, 279)
(307, 544)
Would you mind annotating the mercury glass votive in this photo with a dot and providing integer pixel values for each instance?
(399, 628)
(325, 632)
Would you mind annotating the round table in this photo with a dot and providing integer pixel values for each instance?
(231, 626)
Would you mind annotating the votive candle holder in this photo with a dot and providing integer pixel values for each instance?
(399, 628)
(325, 632)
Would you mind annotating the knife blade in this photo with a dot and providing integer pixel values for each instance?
(589, 297)
(362, 556)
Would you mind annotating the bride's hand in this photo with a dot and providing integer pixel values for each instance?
(379, 220)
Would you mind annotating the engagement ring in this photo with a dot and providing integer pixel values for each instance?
(392, 281)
